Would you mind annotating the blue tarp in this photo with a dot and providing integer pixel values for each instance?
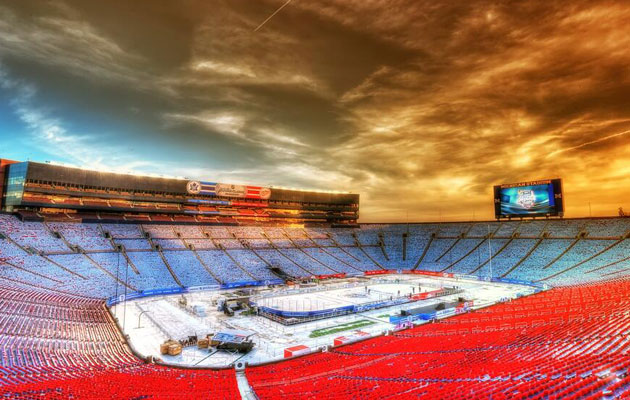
(518, 282)
(165, 291)
(331, 311)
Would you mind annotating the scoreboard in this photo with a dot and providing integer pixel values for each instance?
(541, 198)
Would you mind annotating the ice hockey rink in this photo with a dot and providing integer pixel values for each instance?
(350, 294)
(150, 321)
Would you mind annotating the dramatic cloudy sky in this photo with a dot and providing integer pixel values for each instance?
(420, 106)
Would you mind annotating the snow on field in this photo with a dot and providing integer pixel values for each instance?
(164, 317)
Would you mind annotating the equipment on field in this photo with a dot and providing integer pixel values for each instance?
(233, 340)
(165, 348)
(174, 349)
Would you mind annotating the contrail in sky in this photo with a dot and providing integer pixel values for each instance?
(589, 143)
(271, 16)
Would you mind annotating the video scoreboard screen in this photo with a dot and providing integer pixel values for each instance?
(529, 199)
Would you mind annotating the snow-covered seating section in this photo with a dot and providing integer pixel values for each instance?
(423, 231)
(123, 231)
(274, 232)
(188, 268)
(607, 228)
(606, 265)
(303, 252)
(376, 254)
(117, 266)
(511, 255)
(295, 233)
(249, 232)
(415, 247)
(189, 231)
(531, 228)
(86, 236)
(581, 251)
(201, 244)
(18, 266)
(222, 266)
(31, 234)
(307, 262)
(160, 231)
(10, 252)
(460, 250)
(506, 229)
(97, 283)
(482, 229)
(546, 252)
(488, 268)
(10, 225)
(453, 229)
(361, 260)
(252, 264)
(480, 256)
(303, 242)
(565, 228)
(342, 255)
(153, 272)
(170, 243)
(134, 244)
(368, 234)
(229, 243)
(433, 259)
(343, 236)
(392, 238)
(217, 232)
(611, 270)
(259, 243)
(316, 233)
(282, 243)
(324, 242)
(328, 258)
(277, 259)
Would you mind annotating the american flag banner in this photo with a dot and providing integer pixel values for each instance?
(228, 190)
(257, 192)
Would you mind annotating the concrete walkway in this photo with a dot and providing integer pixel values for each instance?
(243, 386)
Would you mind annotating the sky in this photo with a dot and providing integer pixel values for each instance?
(419, 106)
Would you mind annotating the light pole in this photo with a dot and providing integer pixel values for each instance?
(125, 302)
(489, 251)
(116, 283)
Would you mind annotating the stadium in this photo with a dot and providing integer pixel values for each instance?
(314, 199)
(139, 286)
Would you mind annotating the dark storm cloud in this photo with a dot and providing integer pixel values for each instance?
(420, 106)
